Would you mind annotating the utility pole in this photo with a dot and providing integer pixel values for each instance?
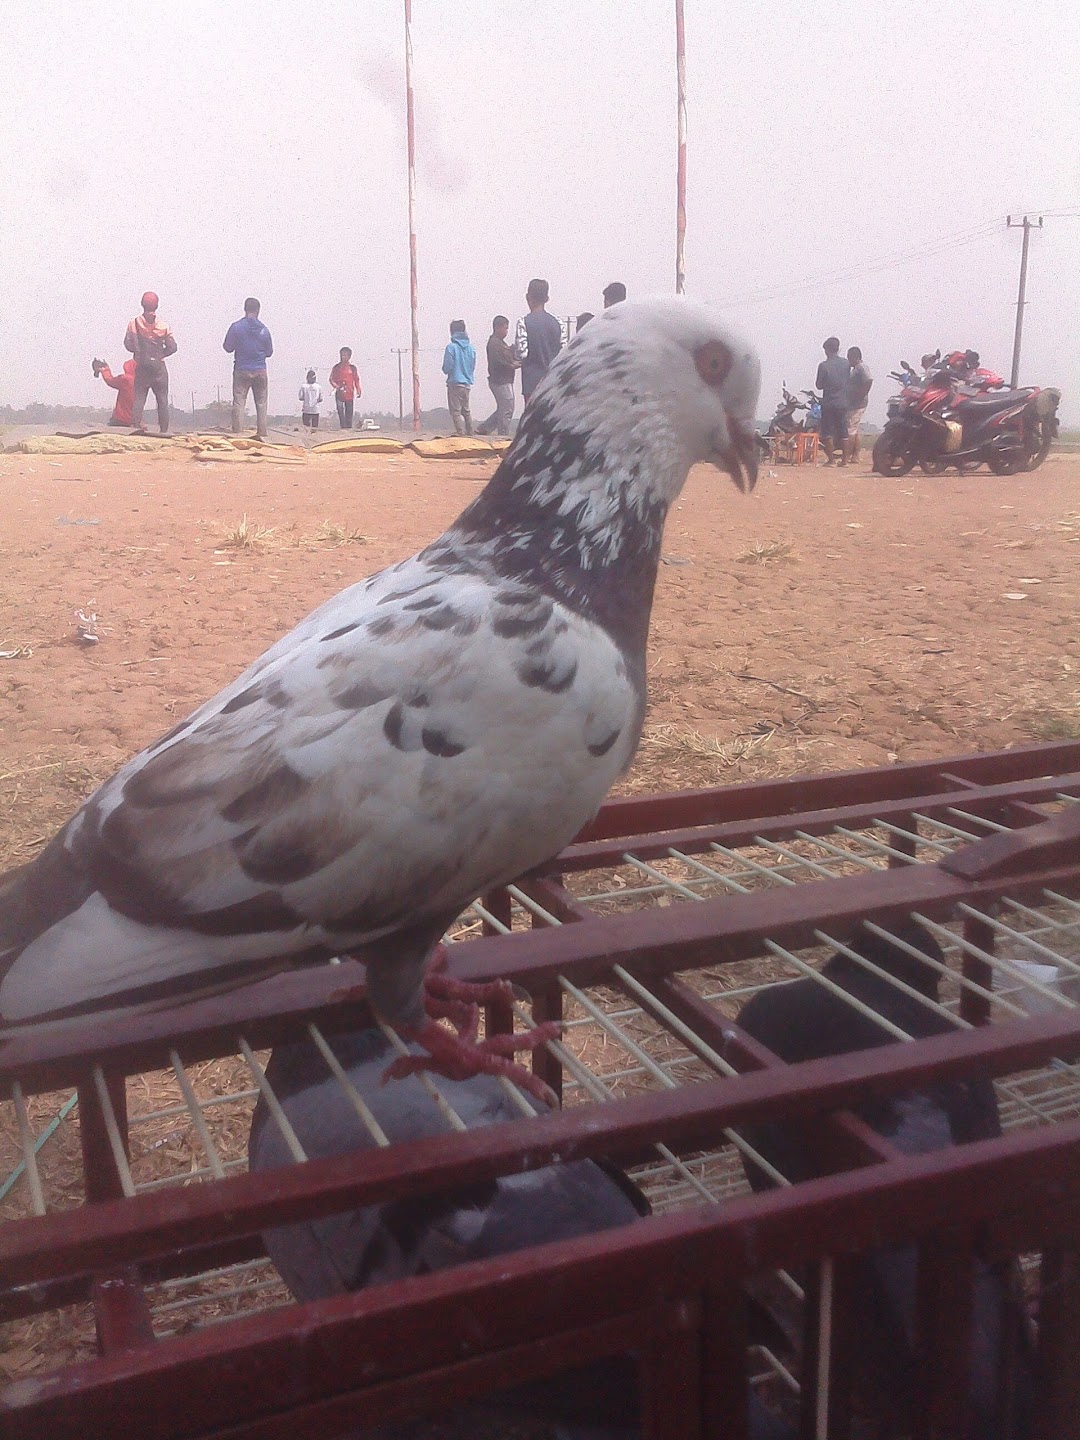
(1028, 226)
(400, 389)
(410, 125)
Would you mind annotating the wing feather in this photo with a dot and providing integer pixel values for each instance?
(403, 748)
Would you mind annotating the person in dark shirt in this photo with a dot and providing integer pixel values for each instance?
(501, 364)
(538, 339)
(832, 379)
(248, 341)
(857, 394)
(614, 293)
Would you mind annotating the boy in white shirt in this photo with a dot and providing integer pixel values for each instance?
(311, 399)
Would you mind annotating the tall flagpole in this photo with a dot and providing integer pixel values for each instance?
(411, 129)
(680, 194)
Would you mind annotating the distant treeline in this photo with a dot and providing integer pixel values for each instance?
(214, 416)
(39, 414)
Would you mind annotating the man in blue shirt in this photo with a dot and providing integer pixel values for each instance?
(459, 367)
(248, 341)
(539, 338)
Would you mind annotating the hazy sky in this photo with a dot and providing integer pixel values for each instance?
(212, 150)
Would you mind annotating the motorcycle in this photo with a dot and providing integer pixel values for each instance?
(784, 420)
(958, 415)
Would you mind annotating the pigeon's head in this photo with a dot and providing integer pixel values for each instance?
(672, 363)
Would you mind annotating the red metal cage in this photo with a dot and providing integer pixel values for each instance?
(644, 937)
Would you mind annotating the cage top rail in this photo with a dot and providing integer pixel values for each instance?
(639, 814)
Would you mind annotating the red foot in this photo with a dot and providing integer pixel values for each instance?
(459, 1000)
(458, 1058)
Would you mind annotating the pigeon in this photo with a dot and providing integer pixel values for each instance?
(805, 1021)
(336, 1254)
(378, 1244)
(426, 735)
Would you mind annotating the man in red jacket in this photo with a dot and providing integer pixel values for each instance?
(151, 342)
(124, 385)
(345, 381)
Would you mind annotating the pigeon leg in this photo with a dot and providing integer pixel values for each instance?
(459, 1000)
(445, 987)
(460, 1059)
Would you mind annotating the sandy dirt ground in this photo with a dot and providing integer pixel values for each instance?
(832, 619)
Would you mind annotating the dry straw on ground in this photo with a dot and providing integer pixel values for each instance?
(331, 533)
(768, 552)
(246, 535)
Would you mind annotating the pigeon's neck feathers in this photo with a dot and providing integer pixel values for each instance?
(577, 510)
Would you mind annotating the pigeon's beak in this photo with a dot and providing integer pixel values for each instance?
(738, 456)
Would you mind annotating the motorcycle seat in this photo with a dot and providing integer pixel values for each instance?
(987, 404)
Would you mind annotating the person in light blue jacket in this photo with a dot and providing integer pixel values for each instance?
(459, 367)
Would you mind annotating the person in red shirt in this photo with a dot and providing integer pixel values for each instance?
(124, 385)
(345, 380)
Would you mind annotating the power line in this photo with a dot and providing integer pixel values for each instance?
(866, 268)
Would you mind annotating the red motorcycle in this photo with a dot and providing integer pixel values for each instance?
(960, 414)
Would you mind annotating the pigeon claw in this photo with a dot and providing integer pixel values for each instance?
(459, 1001)
(459, 1058)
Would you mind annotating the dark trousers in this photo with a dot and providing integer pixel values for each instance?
(344, 412)
(155, 377)
(311, 420)
(242, 382)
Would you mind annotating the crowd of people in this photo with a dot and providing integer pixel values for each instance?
(845, 384)
(537, 340)
(150, 341)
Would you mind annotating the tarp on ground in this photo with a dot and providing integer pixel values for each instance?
(91, 444)
(455, 447)
(360, 445)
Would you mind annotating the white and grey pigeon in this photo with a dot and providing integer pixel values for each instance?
(424, 736)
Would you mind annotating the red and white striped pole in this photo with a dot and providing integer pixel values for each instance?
(411, 132)
(680, 182)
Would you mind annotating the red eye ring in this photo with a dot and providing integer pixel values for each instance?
(714, 361)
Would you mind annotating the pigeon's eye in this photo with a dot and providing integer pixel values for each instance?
(713, 362)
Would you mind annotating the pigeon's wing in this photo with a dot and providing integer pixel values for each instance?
(415, 741)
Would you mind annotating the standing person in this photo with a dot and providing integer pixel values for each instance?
(345, 379)
(501, 364)
(856, 395)
(613, 293)
(151, 342)
(459, 367)
(538, 339)
(310, 400)
(124, 385)
(248, 341)
(832, 377)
